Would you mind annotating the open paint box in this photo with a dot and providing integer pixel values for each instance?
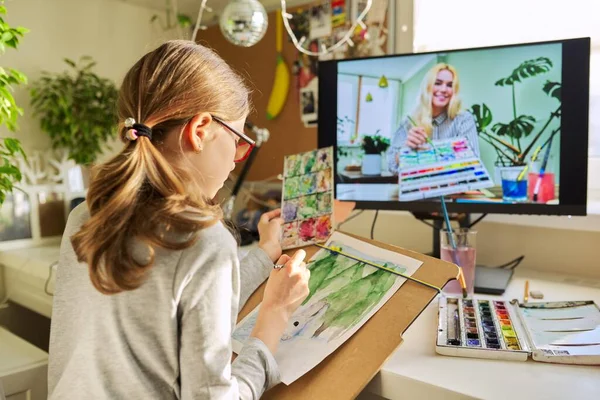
(557, 332)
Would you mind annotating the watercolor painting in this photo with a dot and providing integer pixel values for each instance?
(324, 180)
(308, 207)
(308, 197)
(307, 185)
(344, 294)
(324, 159)
(289, 211)
(324, 203)
(309, 162)
(307, 231)
(323, 228)
(290, 235)
(292, 165)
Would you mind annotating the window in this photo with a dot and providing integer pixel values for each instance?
(439, 24)
(364, 108)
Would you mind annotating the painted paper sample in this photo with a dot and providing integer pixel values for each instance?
(448, 167)
(307, 205)
(344, 294)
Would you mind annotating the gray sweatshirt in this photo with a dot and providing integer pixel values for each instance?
(168, 339)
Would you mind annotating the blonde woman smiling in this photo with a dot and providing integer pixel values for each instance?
(438, 115)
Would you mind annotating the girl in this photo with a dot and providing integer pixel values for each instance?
(149, 284)
(438, 115)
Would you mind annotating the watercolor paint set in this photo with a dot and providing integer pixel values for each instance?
(554, 332)
(307, 198)
(440, 168)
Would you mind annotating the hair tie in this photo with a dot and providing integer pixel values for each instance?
(136, 130)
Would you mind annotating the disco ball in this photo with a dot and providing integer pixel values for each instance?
(244, 22)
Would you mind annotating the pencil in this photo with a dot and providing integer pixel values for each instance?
(526, 294)
(380, 267)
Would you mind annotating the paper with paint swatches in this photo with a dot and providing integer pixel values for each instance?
(448, 167)
(307, 205)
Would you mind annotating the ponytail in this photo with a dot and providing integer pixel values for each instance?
(136, 195)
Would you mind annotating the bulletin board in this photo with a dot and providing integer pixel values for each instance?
(257, 65)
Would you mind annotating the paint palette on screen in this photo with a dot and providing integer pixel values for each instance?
(307, 206)
(448, 167)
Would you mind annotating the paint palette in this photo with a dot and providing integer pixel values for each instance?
(558, 332)
(307, 207)
(448, 167)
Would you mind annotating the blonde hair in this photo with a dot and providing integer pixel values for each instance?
(138, 194)
(422, 114)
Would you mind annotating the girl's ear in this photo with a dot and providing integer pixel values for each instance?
(196, 131)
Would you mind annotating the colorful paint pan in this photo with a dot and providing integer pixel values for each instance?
(483, 324)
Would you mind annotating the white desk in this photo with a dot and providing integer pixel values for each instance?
(23, 368)
(416, 371)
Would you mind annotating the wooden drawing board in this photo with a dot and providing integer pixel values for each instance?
(345, 373)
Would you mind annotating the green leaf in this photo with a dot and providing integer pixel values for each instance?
(22, 30)
(483, 116)
(527, 69)
(11, 43)
(518, 128)
(6, 36)
(70, 62)
(553, 89)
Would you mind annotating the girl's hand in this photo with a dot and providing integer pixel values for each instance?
(286, 289)
(416, 137)
(269, 232)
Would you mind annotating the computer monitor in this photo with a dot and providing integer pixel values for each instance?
(495, 130)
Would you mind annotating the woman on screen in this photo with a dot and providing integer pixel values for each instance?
(438, 115)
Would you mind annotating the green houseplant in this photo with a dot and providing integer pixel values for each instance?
(10, 148)
(521, 126)
(77, 109)
(372, 147)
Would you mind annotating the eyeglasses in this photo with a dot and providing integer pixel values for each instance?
(243, 147)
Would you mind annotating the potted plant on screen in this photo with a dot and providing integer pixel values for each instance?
(77, 109)
(506, 138)
(372, 147)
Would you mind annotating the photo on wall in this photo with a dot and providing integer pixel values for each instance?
(309, 103)
(478, 125)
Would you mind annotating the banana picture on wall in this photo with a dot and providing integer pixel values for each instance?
(281, 84)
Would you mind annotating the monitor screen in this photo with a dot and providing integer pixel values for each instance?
(499, 129)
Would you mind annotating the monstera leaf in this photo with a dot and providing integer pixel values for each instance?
(483, 116)
(518, 128)
(553, 89)
(527, 69)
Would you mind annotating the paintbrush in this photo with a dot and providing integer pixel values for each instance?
(393, 271)
(533, 158)
(461, 277)
(414, 124)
